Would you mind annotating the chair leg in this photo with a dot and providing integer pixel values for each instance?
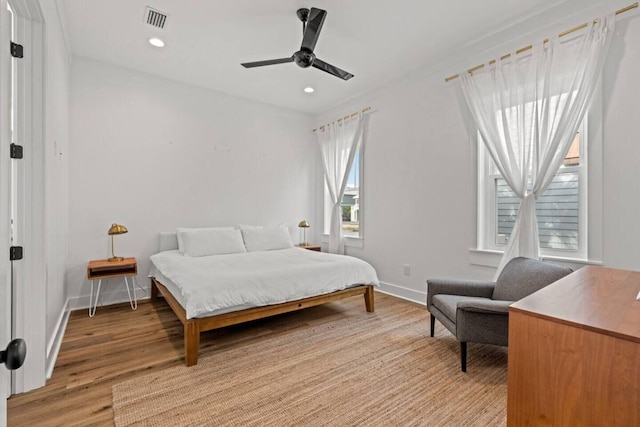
(433, 324)
(463, 356)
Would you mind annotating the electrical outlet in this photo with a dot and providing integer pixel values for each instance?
(407, 270)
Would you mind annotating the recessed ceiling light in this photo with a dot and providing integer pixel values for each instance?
(308, 89)
(154, 41)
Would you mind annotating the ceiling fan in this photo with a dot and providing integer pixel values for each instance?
(312, 21)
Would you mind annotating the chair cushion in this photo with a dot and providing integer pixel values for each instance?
(448, 304)
(524, 276)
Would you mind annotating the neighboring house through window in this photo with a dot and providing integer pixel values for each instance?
(351, 201)
(561, 210)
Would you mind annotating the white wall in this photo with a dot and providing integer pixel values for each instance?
(56, 139)
(417, 160)
(420, 159)
(158, 138)
(154, 154)
(622, 148)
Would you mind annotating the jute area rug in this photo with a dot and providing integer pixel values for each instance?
(368, 369)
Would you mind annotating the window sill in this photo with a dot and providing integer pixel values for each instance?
(350, 242)
(491, 258)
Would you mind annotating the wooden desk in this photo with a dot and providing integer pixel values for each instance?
(574, 352)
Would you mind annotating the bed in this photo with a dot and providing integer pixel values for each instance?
(214, 291)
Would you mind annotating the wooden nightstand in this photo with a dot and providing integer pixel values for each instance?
(309, 247)
(103, 269)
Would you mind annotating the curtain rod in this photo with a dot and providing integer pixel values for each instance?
(364, 110)
(526, 48)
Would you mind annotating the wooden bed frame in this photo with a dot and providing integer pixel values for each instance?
(193, 327)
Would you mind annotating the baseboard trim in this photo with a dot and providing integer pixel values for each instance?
(53, 348)
(403, 293)
(109, 297)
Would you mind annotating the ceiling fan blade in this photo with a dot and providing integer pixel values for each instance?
(314, 25)
(268, 62)
(328, 68)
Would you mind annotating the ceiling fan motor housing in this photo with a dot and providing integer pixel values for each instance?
(303, 14)
(304, 58)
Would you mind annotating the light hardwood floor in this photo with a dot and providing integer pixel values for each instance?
(119, 344)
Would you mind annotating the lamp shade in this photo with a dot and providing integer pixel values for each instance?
(117, 229)
(303, 224)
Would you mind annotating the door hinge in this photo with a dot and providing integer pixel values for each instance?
(15, 253)
(17, 51)
(16, 151)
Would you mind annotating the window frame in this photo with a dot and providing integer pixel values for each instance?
(487, 202)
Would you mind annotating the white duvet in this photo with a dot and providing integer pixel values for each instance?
(222, 282)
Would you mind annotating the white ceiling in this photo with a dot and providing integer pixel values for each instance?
(206, 40)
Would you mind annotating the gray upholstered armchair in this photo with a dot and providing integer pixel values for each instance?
(478, 311)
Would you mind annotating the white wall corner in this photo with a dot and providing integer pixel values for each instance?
(62, 21)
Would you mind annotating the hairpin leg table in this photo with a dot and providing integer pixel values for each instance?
(103, 269)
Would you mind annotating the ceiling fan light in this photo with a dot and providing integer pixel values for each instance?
(154, 41)
(309, 89)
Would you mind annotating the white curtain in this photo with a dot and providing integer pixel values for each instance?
(338, 142)
(528, 109)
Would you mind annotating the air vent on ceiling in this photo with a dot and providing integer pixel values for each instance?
(155, 17)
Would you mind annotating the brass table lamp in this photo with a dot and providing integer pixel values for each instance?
(116, 229)
(304, 225)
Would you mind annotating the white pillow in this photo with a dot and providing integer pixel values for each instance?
(266, 238)
(195, 242)
(181, 230)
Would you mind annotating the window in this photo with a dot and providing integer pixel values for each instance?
(351, 201)
(561, 210)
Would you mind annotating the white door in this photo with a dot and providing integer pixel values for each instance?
(10, 178)
(5, 209)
